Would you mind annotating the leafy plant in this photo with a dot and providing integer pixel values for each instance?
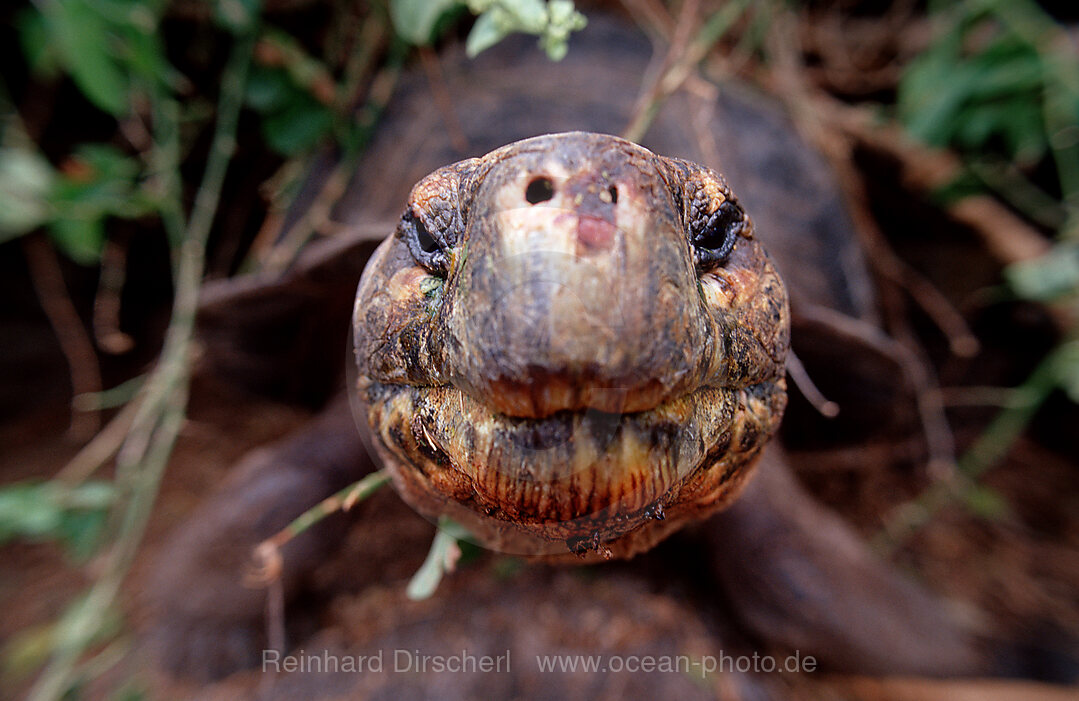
(112, 51)
(977, 99)
(553, 21)
(97, 181)
(1001, 78)
(999, 85)
(293, 93)
(72, 514)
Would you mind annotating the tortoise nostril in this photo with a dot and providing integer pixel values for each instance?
(539, 190)
(613, 189)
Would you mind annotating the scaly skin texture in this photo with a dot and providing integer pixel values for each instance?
(571, 344)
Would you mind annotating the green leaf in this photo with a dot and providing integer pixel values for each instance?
(82, 239)
(267, 89)
(440, 560)
(926, 82)
(963, 185)
(974, 126)
(415, 20)
(143, 54)
(1051, 277)
(40, 53)
(986, 502)
(28, 510)
(486, 32)
(553, 22)
(108, 162)
(237, 16)
(74, 515)
(26, 179)
(1066, 368)
(101, 181)
(83, 38)
(1005, 67)
(564, 20)
(941, 94)
(81, 531)
(529, 16)
(990, 99)
(26, 651)
(1024, 132)
(298, 127)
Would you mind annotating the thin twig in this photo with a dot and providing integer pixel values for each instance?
(787, 60)
(991, 447)
(314, 219)
(317, 216)
(800, 376)
(681, 60)
(75, 343)
(361, 63)
(925, 169)
(647, 107)
(267, 556)
(1008, 182)
(652, 17)
(961, 340)
(163, 163)
(156, 424)
(102, 447)
(110, 288)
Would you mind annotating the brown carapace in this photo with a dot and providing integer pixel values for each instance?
(571, 344)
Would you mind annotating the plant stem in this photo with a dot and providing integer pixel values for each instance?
(164, 161)
(990, 448)
(75, 342)
(267, 555)
(144, 455)
(342, 500)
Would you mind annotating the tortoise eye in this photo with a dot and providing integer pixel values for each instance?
(714, 235)
(423, 246)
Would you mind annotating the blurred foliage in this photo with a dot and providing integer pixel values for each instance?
(999, 85)
(28, 649)
(977, 99)
(109, 47)
(553, 21)
(72, 514)
(441, 559)
(73, 201)
(114, 53)
(293, 121)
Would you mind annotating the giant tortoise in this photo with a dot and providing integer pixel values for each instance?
(574, 346)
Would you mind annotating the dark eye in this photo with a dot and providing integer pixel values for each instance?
(421, 244)
(714, 235)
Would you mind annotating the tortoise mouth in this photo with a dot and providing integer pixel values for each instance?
(546, 393)
(572, 473)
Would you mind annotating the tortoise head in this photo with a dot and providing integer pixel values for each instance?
(571, 342)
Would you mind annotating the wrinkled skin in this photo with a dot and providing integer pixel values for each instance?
(572, 342)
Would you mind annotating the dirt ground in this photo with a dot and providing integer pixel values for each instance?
(1016, 573)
